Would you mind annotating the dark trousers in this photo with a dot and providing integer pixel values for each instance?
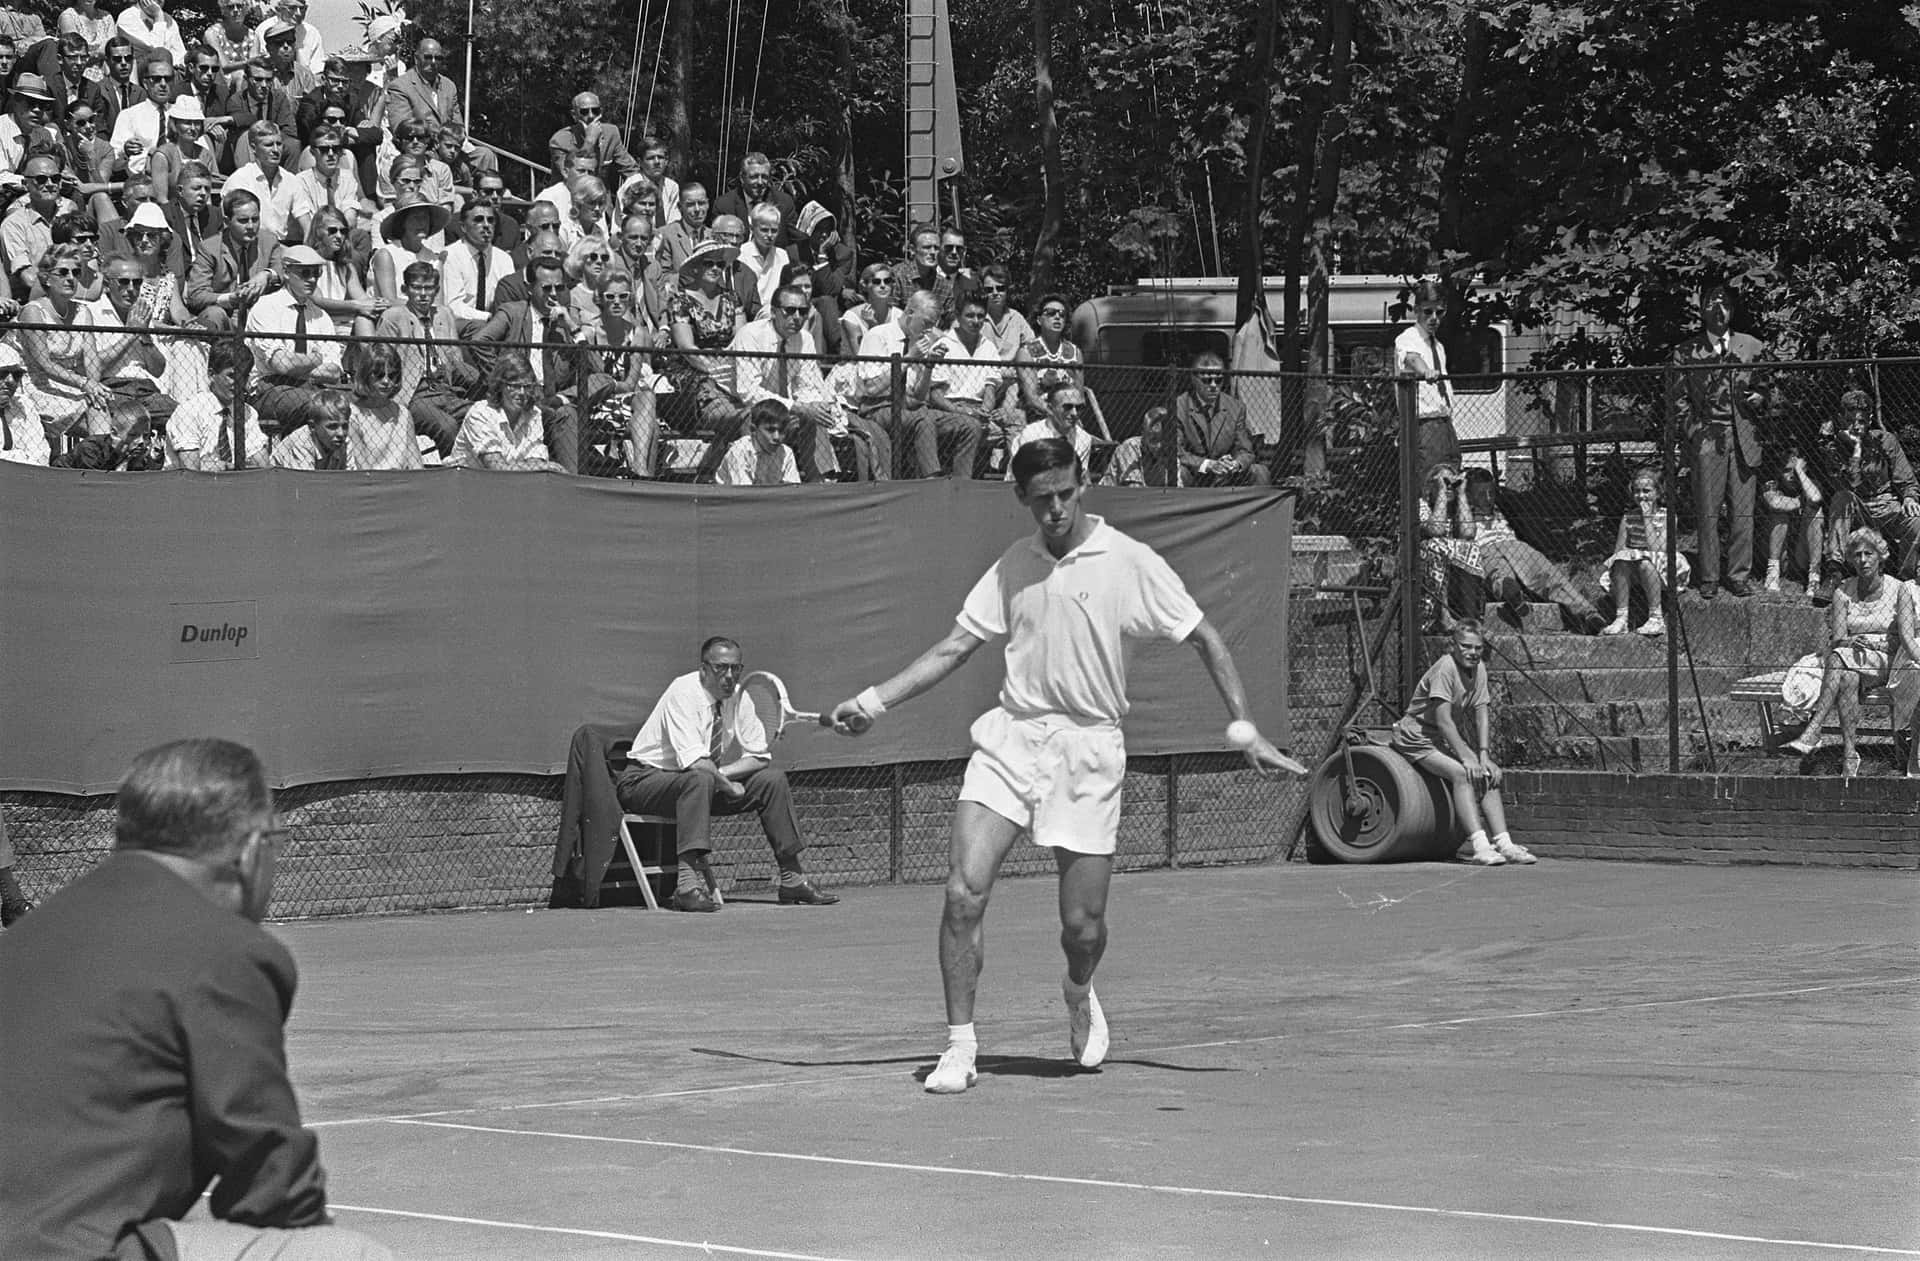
(437, 413)
(1721, 479)
(285, 403)
(1902, 533)
(692, 798)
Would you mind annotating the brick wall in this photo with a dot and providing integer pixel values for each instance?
(1795, 820)
(425, 843)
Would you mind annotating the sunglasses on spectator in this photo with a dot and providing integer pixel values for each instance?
(993, 288)
(81, 120)
(326, 148)
(158, 78)
(139, 234)
(84, 238)
(65, 272)
(588, 112)
(43, 179)
(551, 289)
(124, 280)
(598, 257)
(1053, 311)
(953, 249)
(520, 387)
(791, 310)
(12, 374)
(334, 229)
(120, 58)
(877, 281)
(418, 140)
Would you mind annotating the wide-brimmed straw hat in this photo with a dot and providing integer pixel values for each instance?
(705, 255)
(391, 227)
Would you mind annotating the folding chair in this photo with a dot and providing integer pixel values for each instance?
(666, 835)
(641, 871)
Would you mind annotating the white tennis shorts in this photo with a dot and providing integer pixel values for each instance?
(1056, 776)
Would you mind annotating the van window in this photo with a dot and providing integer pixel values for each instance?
(1475, 358)
(1176, 347)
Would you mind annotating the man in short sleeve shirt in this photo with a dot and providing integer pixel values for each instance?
(1049, 759)
(701, 752)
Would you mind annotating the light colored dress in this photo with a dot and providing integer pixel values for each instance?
(1645, 539)
(62, 406)
(1868, 648)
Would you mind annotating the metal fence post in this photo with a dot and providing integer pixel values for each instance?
(1668, 592)
(1410, 578)
(897, 390)
(1173, 812)
(242, 371)
(897, 824)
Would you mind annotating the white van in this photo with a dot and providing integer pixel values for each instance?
(1138, 337)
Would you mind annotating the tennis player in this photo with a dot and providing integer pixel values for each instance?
(1049, 760)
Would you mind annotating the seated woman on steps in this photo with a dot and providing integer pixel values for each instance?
(1869, 624)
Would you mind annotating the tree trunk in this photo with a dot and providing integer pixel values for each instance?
(1260, 117)
(1326, 193)
(1313, 106)
(1460, 132)
(1053, 209)
(679, 133)
(841, 25)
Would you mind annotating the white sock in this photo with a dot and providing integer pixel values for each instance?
(1479, 839)
(961, 1035)
(1502, 839)
(1074, 993)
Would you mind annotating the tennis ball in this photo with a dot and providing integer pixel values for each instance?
(1241, 734)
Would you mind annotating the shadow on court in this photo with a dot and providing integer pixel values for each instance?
(1574, 1060)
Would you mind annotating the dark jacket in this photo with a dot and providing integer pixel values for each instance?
(589, 813)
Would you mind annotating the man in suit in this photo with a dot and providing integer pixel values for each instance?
(544, 322)
(193, 215)
(115, 90)
(236, 268)
(247, 98)
(756, 185)
(1715, 400)
(1216, 443)
(423, 94)
(143, 1063)
(589, 132)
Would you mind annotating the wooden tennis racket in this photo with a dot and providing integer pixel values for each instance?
(775, 708)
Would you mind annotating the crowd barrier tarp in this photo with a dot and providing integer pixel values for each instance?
(350, 625)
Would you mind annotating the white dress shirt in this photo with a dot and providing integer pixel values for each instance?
(756, 372)
(281, 201)
(679, 731)
(460, 279)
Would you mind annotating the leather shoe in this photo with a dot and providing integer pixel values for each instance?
(804, 894)
(693, 898)
(1739, 587)
(1706, 590)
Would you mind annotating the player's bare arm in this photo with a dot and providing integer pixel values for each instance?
(1262, 756)
(850, 718)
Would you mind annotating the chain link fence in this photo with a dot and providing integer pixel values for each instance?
(1549, 465)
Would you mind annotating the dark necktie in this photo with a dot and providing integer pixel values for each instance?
(480, 283)
(300, 329)
(426, 335)
(783, 372)
(717, 743)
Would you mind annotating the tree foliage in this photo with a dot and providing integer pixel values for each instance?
(1589, 160)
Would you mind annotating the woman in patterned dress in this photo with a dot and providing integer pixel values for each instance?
(703, 315)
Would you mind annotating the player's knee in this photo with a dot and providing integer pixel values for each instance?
(1081, 926)
(966, 898)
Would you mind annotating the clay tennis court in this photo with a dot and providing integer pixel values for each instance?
(1580, 1059)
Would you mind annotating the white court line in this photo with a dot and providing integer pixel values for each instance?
(1132, 1051)
(703, 1246)
(1109, 1184)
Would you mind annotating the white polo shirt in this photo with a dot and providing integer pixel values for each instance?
(679, 731)
(1066, 620)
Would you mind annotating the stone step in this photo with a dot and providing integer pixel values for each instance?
(1732, 722)
(1616, 683)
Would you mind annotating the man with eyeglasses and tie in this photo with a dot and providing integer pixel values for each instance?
(285, 329)
(250, 97)
(776, 358)
(115, 90)
(703, 752)
(143, 1057)
(423, 94)
(1216, 442)
(473, 268)
(138, 130)
(331, 182)
(588, 132)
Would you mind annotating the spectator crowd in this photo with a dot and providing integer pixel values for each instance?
(233, 247)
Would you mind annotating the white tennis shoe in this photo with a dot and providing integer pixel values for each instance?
(954, 1073)
(1514, 852)
(1087, 1030)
